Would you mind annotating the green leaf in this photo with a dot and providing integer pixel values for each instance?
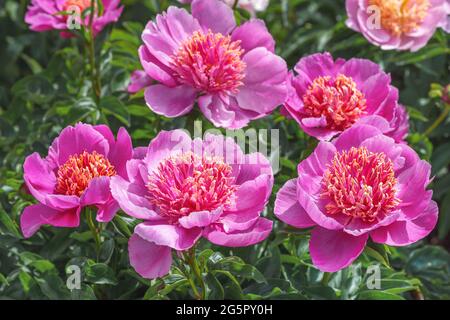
(378, 295)
(84, 293)
(42, 265)
(36, 88)
(239, 268)
(215, 290)
(271, 265)
(444, 217)
(25, 280)
(113, 106)
(100, 273)
(378, 253)
(121, 225)
(9, 224)
(107, 250)
(3, 280)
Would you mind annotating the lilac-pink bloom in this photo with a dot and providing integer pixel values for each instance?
(45, 15)
(327, 96)
(76, 173)
(362, 184)
(252, 6)
(139, 80)
(186, 189)
(232, 72)
(396, 24)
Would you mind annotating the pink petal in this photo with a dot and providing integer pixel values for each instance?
(170, 102)
(132, 198)
(402, 233)
(34, 216)
(253, 34)
(332, 251)
(257, 233)
(288, 209)
(200, 218)
(265, 86)
(148, 259)
(214, 15)
(39, 177)
(173, 236)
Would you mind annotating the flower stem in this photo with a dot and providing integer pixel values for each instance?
(326, 278)
(95, 232)
(438, 121)
(192, 261)
(236, 2)
(95, 74)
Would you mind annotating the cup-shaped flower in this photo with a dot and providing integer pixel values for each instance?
(232, 72)
(326, 97)
(70, 15)
(362, 184)
(76, 173)
(398, 24)
(186, 189)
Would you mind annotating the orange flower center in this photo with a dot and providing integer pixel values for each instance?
(81, 4)
(73, 177)
(210, 62)
(338, 100)
(188, 183)
(360, 184)
(401, 16)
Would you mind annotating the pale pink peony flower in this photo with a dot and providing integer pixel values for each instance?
(232, 72)
(44, 15)
(362, 184)
(327, 96)
(186, 189)
(398, 24)
(75, 174)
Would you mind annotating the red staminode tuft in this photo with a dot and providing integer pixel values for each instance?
(360, 184)
(187, 183)
(210, 62)
(73, 177)
(338, 100)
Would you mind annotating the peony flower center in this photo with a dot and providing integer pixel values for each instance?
(401, 16)
(360, 184)
(187, 183)
(338, 100)
(73, 177)
(81, 4)
(210, 62)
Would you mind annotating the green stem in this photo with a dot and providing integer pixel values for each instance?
(95, 232)
(192, 261)
(236, 2)
(438, 121)
(95, 74)
(190, 280)
(326, 278)
(190, 121)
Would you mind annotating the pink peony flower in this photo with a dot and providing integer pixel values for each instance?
(251, 6)
(139, 80)
(398, 24)
(44, 15)
(326, 97)
(231, 71)
(362, 184)
(75, 174)
(185, 189)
